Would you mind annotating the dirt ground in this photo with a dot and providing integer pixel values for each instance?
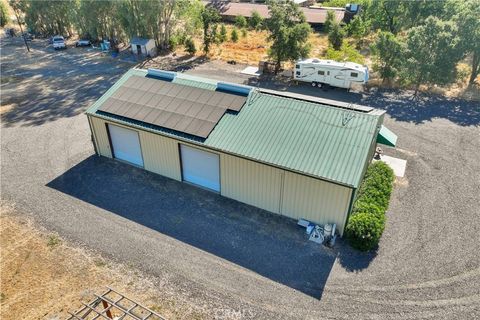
(43, 277)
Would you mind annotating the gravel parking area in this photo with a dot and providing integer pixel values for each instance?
(223, 256)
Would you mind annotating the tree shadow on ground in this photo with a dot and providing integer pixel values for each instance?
(34, 105)
(270, 245)
(351, 259)
(402, 106)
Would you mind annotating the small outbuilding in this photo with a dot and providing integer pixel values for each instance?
(143, 47)
(293, 155)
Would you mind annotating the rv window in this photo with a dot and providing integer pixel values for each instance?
(354, 74)
(328, 73)
(297, 66)
(321, 72)
(298, 73)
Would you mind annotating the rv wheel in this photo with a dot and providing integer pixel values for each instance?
(314, 84)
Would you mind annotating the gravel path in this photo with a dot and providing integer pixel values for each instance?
(427, 265)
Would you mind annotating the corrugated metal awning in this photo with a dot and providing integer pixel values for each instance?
(386, 137)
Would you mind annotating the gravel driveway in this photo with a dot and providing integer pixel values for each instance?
(226, 257)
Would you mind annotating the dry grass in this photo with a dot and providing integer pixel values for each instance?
(42, 277)
(252, 48)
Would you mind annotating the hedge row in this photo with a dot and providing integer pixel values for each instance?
(367, 222)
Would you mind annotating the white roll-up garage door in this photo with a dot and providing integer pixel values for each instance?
(200, 167)
(126, 145)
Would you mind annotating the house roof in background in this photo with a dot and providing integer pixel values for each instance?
(233, 9)
(315, 139)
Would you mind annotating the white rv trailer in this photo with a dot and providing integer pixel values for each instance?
(337, 74)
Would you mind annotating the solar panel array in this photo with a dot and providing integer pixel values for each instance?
(170, 105)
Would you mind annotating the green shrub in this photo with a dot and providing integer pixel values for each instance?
(336, 35)
(244, 33)
(256, 20)
(364, 230)
(240, 22)
(222, 36)
(377, 185)
(190, 46)
(367, 207)
(234, 35)
(367, 221)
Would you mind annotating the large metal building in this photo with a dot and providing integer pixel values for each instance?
(294, 155)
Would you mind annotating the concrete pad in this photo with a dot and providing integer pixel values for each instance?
(398, 165)
(253, 71)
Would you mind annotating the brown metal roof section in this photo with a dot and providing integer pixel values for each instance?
(173, 106)
(233, 9)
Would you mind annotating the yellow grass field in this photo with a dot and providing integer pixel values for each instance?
(42, 277)
(252, 48)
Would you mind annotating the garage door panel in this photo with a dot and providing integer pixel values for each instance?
(200, 167)
(126, 145)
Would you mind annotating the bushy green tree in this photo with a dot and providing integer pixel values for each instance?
(234, 35)
(223, 33)
(104, 24)
(358, 28)
(387, 53)
(466, 15)
(432, 52)
(49, 17)
(240, 22)
(255, 20)
(329, 21)
(288, 32)
(150, 19)
(244, 33)
(4, 18)
(346, 53)
(190, 13)
(210, 17)
(395, 16)
(335, 36)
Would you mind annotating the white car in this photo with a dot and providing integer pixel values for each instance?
(59, 43)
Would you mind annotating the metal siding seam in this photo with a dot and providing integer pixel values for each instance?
(281, 191)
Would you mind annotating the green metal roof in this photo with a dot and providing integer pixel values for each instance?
(386, 137)
(310, 138)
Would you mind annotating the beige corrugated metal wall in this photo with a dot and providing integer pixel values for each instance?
(315, 200)
(161, 155)
(251, 182)
(101, 137)
(266, 187)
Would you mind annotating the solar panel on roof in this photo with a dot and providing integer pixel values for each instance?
(173, 106)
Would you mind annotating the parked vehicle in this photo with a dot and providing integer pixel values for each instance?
(59, 43)
(82, 43)
(337, 74)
